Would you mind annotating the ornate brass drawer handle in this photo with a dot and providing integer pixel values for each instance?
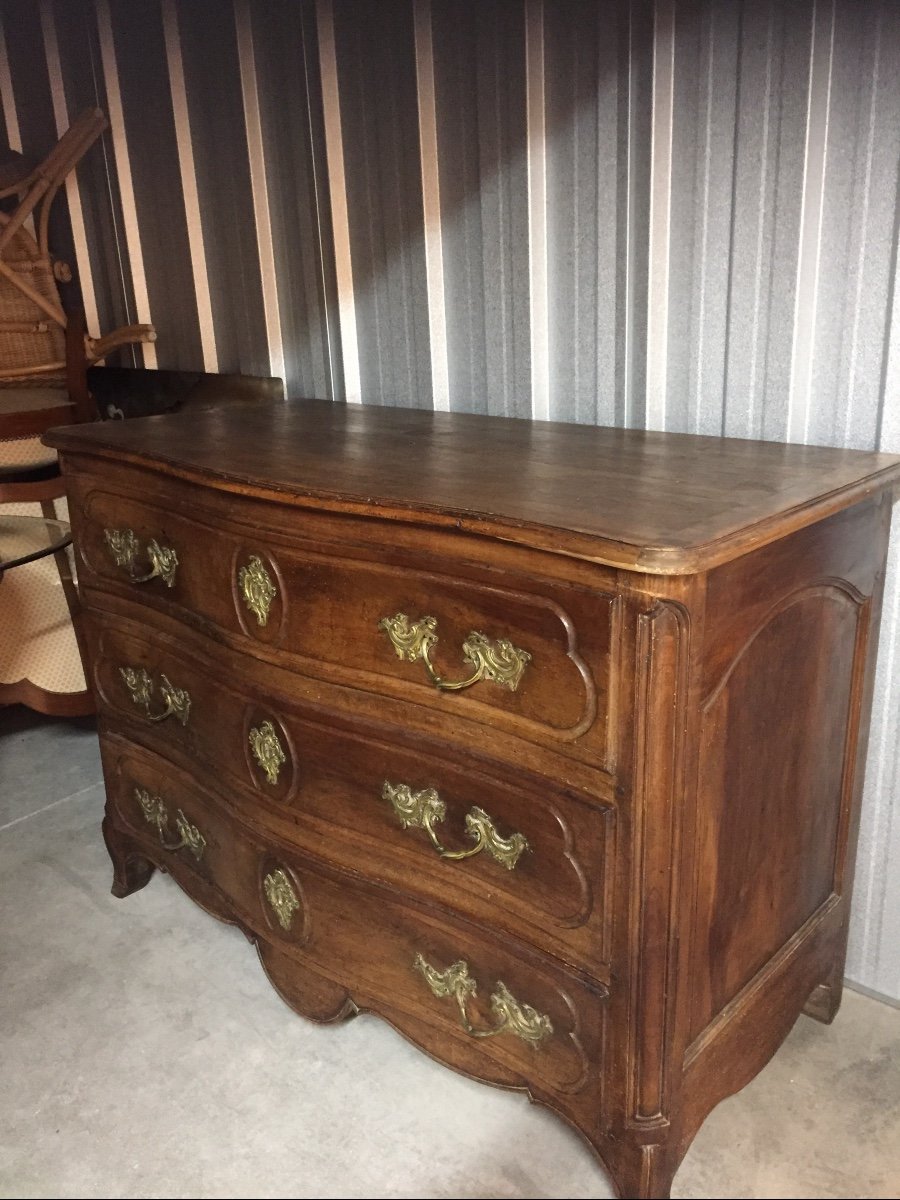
(125, 548)
(177, 701)
(499, 661)
(190, 837)
(425, 809)
(282, 897)
(512, 1017)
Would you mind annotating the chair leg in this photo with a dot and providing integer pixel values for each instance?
(70, 591)
(76, 369)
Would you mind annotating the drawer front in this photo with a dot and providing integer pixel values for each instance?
(528, 656)
(392, 955)
(488, 842)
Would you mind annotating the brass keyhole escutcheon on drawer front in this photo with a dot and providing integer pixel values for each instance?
(425, 809)
(125, 548)
(499, 661)
(176, 700)
(282, 897)
(521, 1020)
(154, 810)
(267, 750)
(257, 589)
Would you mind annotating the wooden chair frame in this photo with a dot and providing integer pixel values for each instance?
(24, 254)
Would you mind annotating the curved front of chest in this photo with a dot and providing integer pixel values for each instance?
(516, 853)
(526, 656)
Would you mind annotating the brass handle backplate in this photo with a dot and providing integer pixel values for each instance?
(499, 661)
(176, 700)
(124, 547)
(521, 1020)
(425, 809)
(189, 836)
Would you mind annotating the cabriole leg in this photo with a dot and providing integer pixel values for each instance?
(131, 870)
(825, 1000)
(643, 1173)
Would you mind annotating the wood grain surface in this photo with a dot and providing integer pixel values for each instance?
(663, 502)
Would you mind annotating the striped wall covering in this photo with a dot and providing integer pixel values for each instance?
(656, 214)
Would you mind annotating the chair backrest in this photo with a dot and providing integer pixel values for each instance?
(40, 186)
(32, 342)
(33, 347)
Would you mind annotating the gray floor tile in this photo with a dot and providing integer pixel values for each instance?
(43, 759)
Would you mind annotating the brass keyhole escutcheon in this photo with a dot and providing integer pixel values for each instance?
(257, 589)
(267, 750)
(281, 896)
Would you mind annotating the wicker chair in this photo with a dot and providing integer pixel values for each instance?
(44, 356)
(32, 319)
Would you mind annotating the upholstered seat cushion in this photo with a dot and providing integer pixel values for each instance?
(19, 452)
(37, 641)
(31, 399)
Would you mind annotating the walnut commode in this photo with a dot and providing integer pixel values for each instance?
(542, 742)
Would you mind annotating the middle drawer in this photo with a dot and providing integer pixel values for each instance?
(499, 845)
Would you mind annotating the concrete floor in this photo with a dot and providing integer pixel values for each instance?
(143, 1054)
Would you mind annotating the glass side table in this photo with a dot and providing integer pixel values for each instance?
(24, 539)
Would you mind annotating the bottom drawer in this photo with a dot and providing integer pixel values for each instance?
(495, 1009)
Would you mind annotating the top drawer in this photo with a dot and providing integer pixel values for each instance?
(526, 655)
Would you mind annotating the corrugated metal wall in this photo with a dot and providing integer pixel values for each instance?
(669, 215)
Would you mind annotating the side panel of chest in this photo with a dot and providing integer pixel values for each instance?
(788, 633)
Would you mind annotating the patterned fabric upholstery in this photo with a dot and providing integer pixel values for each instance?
(37, 641)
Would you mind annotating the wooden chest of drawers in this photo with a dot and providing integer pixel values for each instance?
(542, 742)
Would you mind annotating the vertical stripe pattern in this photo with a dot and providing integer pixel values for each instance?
(73, 195)
(175, 68)
(660, 223)
(260, 188)
(431, 205)
(651, 214)
(537, 209)
(337, 192)
(8, 100)
(123, 174)
(7, 97)
(811, 217)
